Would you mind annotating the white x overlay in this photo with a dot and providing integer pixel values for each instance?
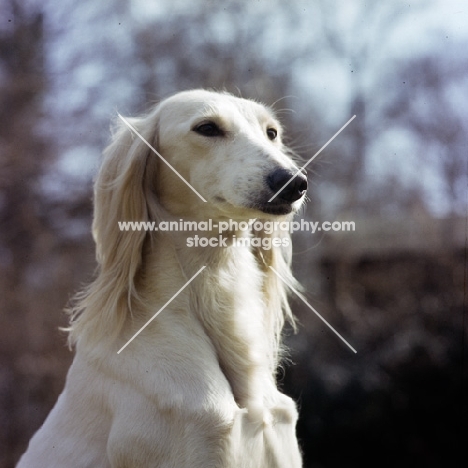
(299, 295)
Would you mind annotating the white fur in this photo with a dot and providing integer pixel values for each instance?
(197, 387)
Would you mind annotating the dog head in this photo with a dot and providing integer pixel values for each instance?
(198, 154)
(230, 151)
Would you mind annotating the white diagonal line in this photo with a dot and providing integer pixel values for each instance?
(313, 157)
(301, 297)
(161, 309)
(133, 129)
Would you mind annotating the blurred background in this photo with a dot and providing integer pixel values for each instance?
(395, 288)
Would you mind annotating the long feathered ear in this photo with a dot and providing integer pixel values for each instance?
(120, 196)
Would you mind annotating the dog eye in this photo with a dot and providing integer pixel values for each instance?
(208, 129)
(272, 133)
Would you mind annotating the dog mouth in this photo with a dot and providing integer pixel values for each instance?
(277, 209)
(277, 206)
(274, 208)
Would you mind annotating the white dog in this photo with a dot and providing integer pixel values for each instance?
(196, 387)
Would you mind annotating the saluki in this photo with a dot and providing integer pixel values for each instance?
(196, 387)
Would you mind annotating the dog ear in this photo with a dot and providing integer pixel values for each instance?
(120, 196)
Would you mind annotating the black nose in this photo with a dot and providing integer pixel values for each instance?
(293, 191)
